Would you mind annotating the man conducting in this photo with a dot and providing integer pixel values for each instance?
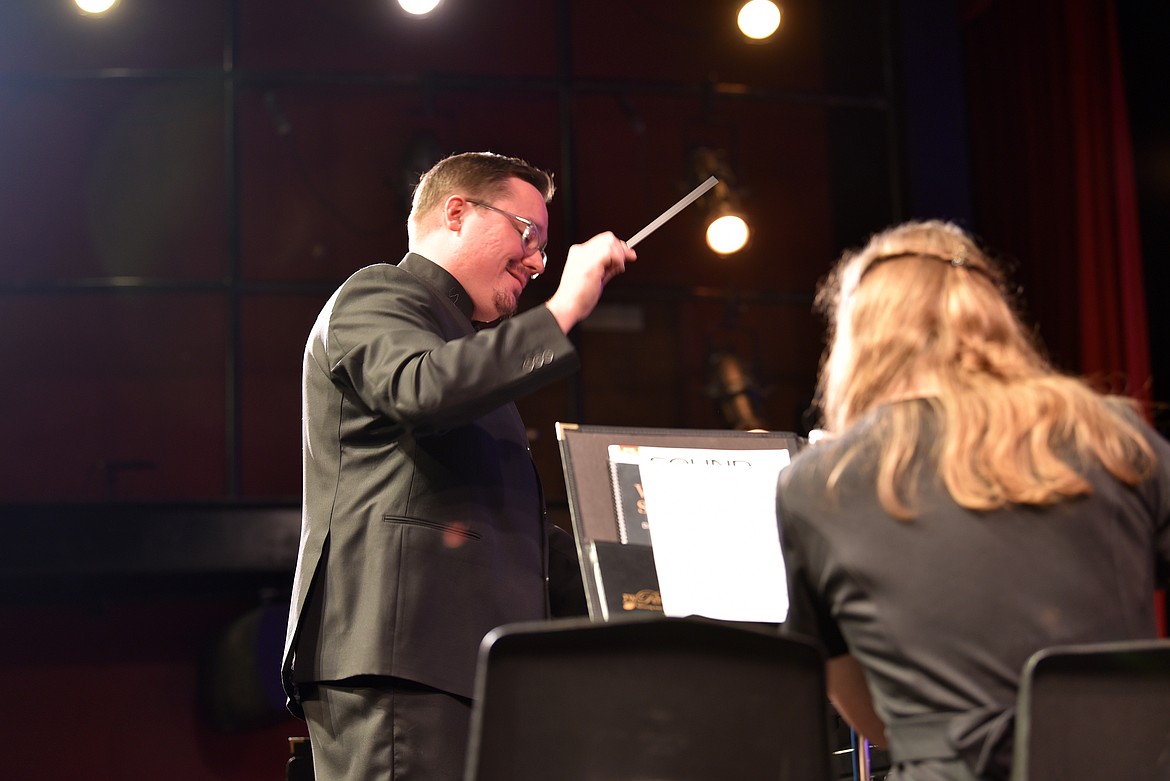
(423, 525)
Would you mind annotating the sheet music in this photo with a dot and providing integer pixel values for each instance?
(712, 516)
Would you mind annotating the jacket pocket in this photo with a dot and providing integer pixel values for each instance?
(456, 529)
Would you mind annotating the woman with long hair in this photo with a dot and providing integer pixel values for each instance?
(968, 506)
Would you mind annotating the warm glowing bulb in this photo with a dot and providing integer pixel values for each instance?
(727, 234)
(758, 19)
(418, 7)
(95, 6)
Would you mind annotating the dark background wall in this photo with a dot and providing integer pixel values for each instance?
(185, 183)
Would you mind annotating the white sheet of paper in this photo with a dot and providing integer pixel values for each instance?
(712, 517)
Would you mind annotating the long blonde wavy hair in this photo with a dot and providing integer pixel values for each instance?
(920, 311)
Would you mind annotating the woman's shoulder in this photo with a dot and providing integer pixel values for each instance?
(829, 447)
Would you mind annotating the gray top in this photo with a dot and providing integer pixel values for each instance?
(943, 611)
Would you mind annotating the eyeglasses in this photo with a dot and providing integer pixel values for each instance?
(530, 236)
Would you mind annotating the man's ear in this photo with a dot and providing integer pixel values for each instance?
(454, 210)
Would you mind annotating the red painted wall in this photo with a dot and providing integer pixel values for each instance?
(110, 687)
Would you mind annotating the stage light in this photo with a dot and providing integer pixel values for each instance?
(95, 7)
(419, 7)
(758, 19)
(727, 233)
(727, 230)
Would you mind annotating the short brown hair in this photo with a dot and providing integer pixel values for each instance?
(478, 174)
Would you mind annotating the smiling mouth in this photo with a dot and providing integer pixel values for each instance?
(520, 275)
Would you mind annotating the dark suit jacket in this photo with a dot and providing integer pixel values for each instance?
(423, 524)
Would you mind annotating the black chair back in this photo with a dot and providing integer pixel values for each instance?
(1097, 712)
(661, 699)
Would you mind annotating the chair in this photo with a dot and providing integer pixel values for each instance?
(652, 699)
(1097, 712)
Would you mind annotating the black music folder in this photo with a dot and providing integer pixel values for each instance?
(625, 577)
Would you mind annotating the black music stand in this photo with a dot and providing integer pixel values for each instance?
(618, 569)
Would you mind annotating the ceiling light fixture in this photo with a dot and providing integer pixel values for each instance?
(94, 7)
(727, 229)
(419, 7)
(759, 19)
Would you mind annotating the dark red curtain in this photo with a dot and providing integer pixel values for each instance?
(1053, 177)
(1054, 180)
(1114, 335)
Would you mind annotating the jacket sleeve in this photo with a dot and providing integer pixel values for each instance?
(804, 565)
(414, 360)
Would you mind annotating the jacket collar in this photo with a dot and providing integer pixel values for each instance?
(440, 279)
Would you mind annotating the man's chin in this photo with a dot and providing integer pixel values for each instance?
(506, 304)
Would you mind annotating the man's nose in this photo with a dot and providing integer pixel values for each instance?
(534, 262)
